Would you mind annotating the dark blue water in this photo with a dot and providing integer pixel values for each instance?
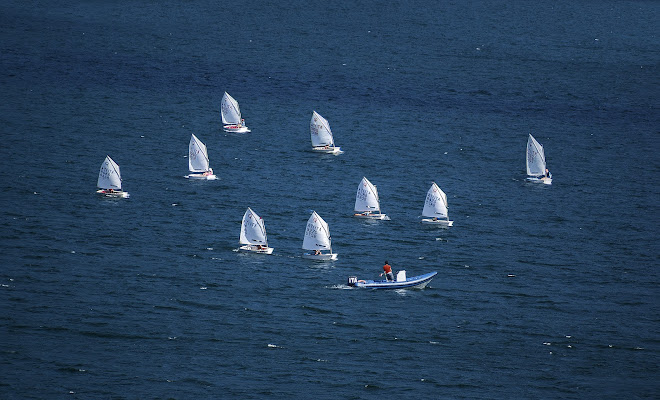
(542, 291)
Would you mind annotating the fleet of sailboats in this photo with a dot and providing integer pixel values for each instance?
(367, 204)
(322, 139)
(198, 160)
(536, 168)
(109, 182)
(435, 207)
(253, 234)
(317, 240)
(231, 115)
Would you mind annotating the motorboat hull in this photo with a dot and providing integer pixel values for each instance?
(415, 282)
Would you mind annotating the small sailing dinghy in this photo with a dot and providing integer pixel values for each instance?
(435, 208)
(317, 240)
(198, 161)
(253, 234)
(401, 282)
(322, 139)
(536, 169)
(367, 204)
(231, 115)
(109, 182)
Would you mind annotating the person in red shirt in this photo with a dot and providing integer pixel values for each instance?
(387, 271)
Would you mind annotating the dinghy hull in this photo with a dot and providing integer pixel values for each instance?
(437, 222)
(254, 249)
(202, 177)
(327, 150)
(115, 194)
(320, 257)
(371, 216)
(236, 129)
(415, 282)
(544, 180)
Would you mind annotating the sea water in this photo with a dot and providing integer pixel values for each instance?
(542, 291)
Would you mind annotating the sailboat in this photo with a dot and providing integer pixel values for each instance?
(435, 208)
(317, 240)
(322, 140)
(231, 115)
(536, 169)
(253, 234)
(198, 160)
(367, 204)
(109, 182)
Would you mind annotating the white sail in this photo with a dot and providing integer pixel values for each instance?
(198, 158)
(366, 198)
(317, 234)
(253, 230)
(535, 157)
(109, 175)
(231, 113)
(435, 204)
(320, 131)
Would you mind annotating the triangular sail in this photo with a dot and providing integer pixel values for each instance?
(317, 234)
(231, 113)
(198, 158)
(320, 131)
(535, 157)
(366, 198)
(109, 175)
(435, 204)
(253, 230)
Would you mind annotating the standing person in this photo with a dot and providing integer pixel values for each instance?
(387, 270)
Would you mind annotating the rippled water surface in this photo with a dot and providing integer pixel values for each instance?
(541, 292)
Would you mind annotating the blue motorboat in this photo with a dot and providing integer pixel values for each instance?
(401, 282)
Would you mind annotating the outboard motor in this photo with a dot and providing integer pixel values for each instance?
(352, 280)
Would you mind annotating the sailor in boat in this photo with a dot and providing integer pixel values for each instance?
(317, 252)
(239, 125)
(548, 174)
(209, 172)
(387, 271)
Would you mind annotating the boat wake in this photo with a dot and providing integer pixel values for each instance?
(340, 287)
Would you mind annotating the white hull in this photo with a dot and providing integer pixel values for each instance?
(320, 257)
(372, 216)
(254, 249)
(327, 150)
(202, 177)
(439, 222)
(122, 195)
(236, 129)
(544, 180)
